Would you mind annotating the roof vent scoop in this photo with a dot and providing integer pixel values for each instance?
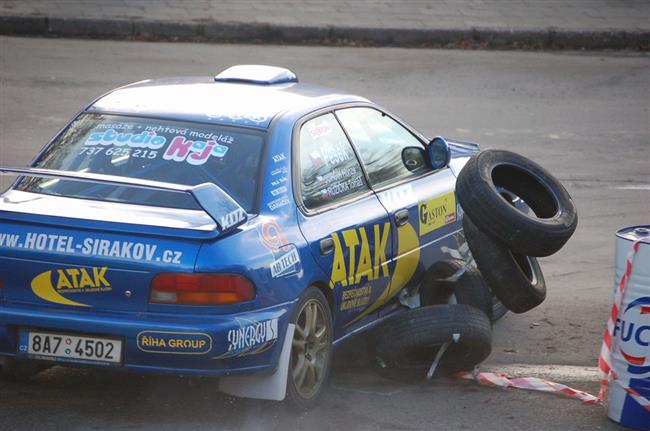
(256, 74)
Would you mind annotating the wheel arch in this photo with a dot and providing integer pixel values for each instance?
(328, 293)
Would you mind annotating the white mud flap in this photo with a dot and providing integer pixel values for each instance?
(263, 387)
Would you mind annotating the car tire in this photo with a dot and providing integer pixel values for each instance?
(407, 343)
(543, 232)
(311, 351)
(12, 370)
(516, 280)
(470, 288)
(498, 309)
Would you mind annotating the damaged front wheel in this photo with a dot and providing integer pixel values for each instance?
(408, 342)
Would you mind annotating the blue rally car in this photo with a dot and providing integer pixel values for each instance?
(239, 226)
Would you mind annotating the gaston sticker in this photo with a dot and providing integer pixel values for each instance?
(437, 212)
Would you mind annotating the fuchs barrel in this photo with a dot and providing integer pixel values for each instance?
(629, 393)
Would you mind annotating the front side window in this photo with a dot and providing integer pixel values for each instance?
(383, 145)
(329, 169)
(161, 150)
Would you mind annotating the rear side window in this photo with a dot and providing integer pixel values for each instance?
(152, 149)
(380, 141)
(329, 169)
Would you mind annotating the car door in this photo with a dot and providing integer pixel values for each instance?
(420, 202)
(343, 221)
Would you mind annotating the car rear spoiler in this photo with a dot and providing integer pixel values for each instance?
(217, 204)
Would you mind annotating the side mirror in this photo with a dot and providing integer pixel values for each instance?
(438, 153)
(414, 159)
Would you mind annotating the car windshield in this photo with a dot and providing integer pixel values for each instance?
(152, 149)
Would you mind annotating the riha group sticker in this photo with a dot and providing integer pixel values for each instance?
(179, 343)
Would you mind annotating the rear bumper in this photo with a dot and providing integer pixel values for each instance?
(211, 345)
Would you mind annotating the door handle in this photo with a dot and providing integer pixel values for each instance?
(401, 217)
(326, 246)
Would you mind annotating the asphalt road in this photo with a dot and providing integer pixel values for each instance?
(585, 117)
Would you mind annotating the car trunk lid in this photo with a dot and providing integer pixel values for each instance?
(93, 254)
(58, 266)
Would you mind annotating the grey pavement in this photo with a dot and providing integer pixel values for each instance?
(583, 116)
(550, 24)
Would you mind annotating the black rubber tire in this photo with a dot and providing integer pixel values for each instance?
(19, 371)
(516, 280)
(406, 344)
(498, 309)
(543, 233)
(470, 288)
(296, 400)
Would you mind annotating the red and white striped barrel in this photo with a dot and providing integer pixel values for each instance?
(629, 389)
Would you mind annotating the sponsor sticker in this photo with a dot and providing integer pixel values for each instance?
(279, 171)
(316, 130)
(272, 236)
(145, 139)
(398, 197)
(342, 187)
(277, 158)
(355, 298)
(52, 285)
(278, 203)
(286, 264)
(276, 183)
(178, 343)
(280, 190)
(191, 146)
(361, 260)
(437, 212)
(193, 152)
(632, 332)
(252, 337)
(70, 245)
(233, 218)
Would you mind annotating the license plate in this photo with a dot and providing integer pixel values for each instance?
(52, 346)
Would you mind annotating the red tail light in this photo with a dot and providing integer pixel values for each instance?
(200, 289)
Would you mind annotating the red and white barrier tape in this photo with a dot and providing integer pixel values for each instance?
(605, 359)
(606, 373)
(503, 380)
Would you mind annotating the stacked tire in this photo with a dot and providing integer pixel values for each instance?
(514, 212)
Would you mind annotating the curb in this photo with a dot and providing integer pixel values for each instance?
(233, 32)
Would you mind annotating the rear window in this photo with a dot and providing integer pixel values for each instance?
(161, 150)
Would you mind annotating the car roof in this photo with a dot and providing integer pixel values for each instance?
(204, 99)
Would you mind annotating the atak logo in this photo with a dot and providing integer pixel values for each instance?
(359, 262)
(51, 285)
(632, 334)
